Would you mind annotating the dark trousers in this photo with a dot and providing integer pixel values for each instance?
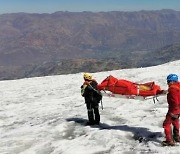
(93, 112)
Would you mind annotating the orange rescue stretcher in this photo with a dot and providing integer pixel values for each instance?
(121, 88)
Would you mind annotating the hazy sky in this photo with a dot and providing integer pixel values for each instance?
(50, 6)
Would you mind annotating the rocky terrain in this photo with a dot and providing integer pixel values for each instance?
(70, 42)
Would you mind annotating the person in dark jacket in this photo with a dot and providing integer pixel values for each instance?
(90, 93)
(172, 117)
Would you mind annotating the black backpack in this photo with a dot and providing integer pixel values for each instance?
(98, 96)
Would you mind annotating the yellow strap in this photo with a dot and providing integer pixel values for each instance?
(144, 87)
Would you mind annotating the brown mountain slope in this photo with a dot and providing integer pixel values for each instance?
(27, 38)
(37, 44)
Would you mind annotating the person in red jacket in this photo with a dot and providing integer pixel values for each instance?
(172, 116)
(92, 98)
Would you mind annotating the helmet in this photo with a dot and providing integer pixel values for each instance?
(87, 76)
(172, 77)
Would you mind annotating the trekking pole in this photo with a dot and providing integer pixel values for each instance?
(102, 105)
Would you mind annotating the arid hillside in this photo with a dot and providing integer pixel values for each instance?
(33, 42)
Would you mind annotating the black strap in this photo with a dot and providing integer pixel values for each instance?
(98, 93)
(95, 90)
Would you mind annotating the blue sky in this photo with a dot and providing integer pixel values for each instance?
(50, 6)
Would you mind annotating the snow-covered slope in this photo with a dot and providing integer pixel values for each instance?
(45, 116)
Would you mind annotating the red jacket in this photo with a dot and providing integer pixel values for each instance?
(173, 98)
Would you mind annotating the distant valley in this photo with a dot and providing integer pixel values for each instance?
(71, 42)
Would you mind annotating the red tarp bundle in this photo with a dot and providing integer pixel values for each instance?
(125, 87)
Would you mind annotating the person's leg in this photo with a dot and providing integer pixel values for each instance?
(167, 128)
(176, 134)
(90, 114)
(97, 115)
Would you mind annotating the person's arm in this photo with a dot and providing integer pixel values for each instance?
(172, 96)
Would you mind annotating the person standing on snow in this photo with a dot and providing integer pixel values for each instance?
(172, 116)
(91, 95)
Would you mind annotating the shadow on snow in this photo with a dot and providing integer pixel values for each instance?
(140, 133)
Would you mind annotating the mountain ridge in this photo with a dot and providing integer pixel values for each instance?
(31, 40)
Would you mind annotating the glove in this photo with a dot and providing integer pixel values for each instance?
(164, 91)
